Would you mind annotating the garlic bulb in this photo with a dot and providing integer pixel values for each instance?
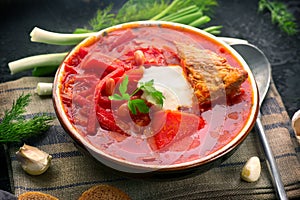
(296, 124)
(33, 160)
(251, 170)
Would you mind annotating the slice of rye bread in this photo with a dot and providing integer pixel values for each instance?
(106, 192)
(36, 196)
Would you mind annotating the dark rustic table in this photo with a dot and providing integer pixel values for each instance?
(240, 20)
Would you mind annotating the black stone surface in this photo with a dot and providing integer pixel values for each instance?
(240, 19)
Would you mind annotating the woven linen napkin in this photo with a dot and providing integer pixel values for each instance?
(73, 172)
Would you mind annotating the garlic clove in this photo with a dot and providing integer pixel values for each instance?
(33, 160)
(251, 170)
(296, 124)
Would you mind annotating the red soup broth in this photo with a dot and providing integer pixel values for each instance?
(110, 56)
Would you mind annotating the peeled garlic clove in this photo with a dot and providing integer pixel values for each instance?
(33, 160)
(296, 124)
(251, 170)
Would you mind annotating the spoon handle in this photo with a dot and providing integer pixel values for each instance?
(271, 163)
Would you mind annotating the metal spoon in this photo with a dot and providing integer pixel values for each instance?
(261, 70)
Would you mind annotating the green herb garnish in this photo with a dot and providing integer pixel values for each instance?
(192, 12)
(280, 15)
(138, 104)
(14, 127)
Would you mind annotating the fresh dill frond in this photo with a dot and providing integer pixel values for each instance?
(280, 15)
(14, 127)
(103, 19)
(134, 10)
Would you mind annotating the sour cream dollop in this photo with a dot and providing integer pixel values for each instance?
(171, 82)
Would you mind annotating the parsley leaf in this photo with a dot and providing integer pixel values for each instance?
(154, 94)
(123, 86)
(116, 97)
(138, 104)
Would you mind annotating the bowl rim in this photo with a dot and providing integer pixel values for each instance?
(236, 141)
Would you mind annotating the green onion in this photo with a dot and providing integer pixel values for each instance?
(48, 37)
(44, 71)
(190, 12)
(36, 61)
(199, 22)
(180, 13)
(213, 30)
(167, 10)
(188, 18)
(44, 89)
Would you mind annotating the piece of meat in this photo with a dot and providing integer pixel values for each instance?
(210, 74)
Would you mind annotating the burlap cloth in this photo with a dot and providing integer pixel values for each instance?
(72, 172)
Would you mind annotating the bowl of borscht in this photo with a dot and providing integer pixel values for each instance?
(153, 97)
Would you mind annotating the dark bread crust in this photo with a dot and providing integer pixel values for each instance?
(106, 192)
(36, 196)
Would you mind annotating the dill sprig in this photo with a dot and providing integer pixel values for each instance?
(14, 127)
(280, 15)
(103, 19)
(134, 10)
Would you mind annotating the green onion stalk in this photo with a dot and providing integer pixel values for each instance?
(43, 60)
(185, 12)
